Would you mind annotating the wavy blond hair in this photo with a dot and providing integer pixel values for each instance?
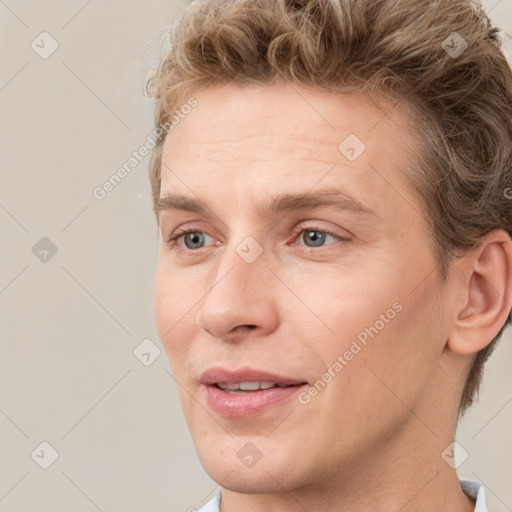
(405, 49)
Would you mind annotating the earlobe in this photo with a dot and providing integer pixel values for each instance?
(486, 286)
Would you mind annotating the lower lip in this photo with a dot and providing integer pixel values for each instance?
(249, 404)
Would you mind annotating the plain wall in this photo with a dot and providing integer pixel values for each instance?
(70, 323)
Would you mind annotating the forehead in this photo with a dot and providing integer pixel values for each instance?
(286, 117)
(286, 104)
(287, 137)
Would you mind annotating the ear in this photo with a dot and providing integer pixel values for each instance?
(485, 296)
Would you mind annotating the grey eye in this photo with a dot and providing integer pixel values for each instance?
(316, 237)
(192, 240)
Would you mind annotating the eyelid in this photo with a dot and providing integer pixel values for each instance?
(179, 232)
(174, 238)
(311, 226)
(320, 249)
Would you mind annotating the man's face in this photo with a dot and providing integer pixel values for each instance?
(354, 314)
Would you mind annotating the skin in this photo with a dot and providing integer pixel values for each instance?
(372, 439)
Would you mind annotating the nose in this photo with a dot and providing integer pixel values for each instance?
(240, 301)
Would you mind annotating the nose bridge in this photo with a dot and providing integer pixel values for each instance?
(242, 263)
(238, 293)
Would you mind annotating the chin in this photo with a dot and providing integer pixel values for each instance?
(248, 464)
(255, 480)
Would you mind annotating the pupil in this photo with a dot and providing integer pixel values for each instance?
(194, 238)
(318, 239)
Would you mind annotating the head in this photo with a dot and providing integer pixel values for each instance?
(404, 109)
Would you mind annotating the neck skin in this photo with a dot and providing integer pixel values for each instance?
(406, 480)
(406, 474)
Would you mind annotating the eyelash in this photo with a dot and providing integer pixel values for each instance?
(173, 240)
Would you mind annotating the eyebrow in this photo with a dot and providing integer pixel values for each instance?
(277, 205)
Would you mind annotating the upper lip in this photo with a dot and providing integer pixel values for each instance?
(217, 374)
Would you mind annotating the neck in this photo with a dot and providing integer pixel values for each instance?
(408, 474)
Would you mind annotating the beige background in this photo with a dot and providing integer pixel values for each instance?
(70, 325)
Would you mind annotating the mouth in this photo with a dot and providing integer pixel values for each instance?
(251, 387)
(247, 392)
(246, 378)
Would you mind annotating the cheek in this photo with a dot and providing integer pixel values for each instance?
(344, 303)
(372, 315)
(172, 309)
(401, 355)
(162, 303)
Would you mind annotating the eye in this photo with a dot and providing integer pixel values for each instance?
(192, 238)
(316, 237)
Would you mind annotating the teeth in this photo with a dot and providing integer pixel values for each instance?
(248, 386)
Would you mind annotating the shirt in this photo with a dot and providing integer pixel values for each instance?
(473, 489)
